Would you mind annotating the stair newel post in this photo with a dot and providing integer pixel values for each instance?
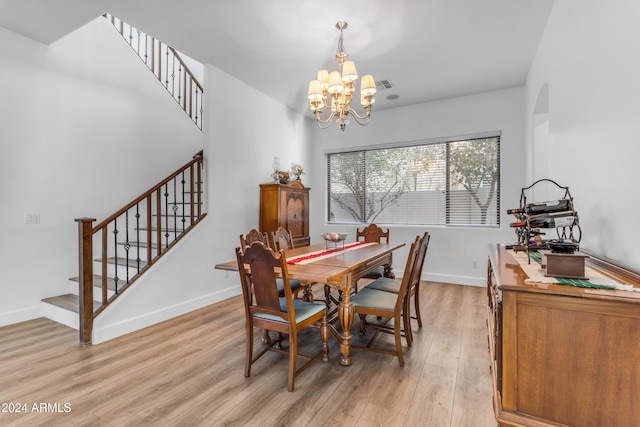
(85, 246)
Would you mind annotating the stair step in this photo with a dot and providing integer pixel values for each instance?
(69, 302)
(121, 262)
(111, 283)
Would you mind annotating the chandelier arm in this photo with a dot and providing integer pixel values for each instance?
(327, 120)
(359, 118)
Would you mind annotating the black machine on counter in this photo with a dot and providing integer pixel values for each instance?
(534, 217)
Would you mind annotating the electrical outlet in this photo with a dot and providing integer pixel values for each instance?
(475, 263)
(32, 218)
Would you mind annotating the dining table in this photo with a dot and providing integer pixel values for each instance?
(339, 266)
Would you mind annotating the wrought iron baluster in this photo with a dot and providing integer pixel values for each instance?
(173, 75)
(166, 216)
(175, 208)
(115, 250)
(184, 191)
(189, 100)
(138, 238)
(105, 278)
(196, 118)
(166, 81)
(146, 50)
(191, 194)
(127, 245)
(180, 76)
(159, 61)
(149, 228)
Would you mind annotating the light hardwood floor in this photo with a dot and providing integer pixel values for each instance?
(189, 372)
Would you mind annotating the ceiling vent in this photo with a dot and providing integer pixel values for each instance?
(383, 84)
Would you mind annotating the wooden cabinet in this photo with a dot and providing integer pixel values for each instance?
(562, 355)
(286, 206)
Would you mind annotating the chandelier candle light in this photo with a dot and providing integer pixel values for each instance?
(334, 91)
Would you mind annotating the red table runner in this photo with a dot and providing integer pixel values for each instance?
(315, 256)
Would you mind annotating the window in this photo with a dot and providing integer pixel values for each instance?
(453, 182)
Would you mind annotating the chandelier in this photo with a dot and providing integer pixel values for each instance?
(331, 93)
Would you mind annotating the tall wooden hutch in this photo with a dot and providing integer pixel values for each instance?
(286, 206)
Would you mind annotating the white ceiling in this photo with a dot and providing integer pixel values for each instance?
(428, 49)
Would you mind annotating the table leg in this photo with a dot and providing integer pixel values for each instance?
(388, 269)
(345, 315)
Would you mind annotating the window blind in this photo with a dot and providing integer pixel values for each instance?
(443, 183)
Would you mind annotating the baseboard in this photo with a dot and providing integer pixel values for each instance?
(114, 330)
(22, 315)
(448, 278)
(455, 279)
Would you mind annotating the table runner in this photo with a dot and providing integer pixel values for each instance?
(536, 275)
(318, 255)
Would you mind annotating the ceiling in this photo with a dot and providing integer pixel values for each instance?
(427, 49)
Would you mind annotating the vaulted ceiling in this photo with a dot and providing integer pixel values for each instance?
(427, 49)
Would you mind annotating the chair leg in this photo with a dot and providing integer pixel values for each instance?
(307, 294)
(249, 351)
(266, 339)
(278, 344)
(293, 352)
(327, 296)
(406, 319)
(416, 301)
(397, 332)
(362, 325)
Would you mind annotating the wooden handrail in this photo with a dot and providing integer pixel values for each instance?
(186, 68)
(161, 201)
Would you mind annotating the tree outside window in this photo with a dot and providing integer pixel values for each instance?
(447, 183)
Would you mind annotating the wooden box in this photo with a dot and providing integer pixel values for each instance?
(563, 265)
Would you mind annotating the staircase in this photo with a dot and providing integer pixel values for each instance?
(119, 250)
(167, 65)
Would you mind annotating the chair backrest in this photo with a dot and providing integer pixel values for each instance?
(372, 234)
(409, 267)
(416, 273)
(264, 266)
(251, 237)
(282, 239)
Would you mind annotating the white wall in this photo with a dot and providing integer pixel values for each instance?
(243, 137)
(452, 250)
(85, 129)
(589, 59)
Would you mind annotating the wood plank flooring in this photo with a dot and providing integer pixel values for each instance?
(188, 371)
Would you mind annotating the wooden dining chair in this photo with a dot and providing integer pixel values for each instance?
(393, 286)
(373, 234)
(267, 310)
(388, 306)
(281, 240)
(255, 236)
